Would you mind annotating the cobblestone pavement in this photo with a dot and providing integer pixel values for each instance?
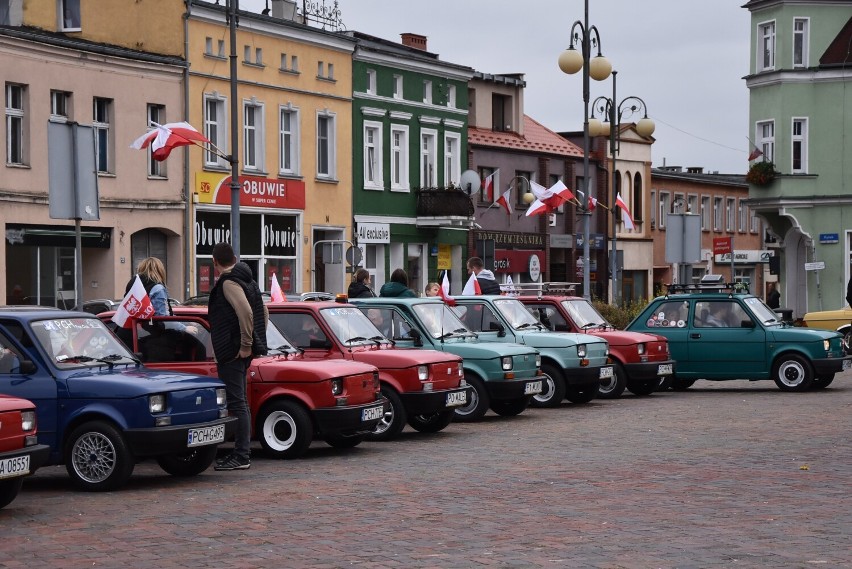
(732, 474)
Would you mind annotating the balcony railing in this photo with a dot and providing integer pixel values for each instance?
(443, 202)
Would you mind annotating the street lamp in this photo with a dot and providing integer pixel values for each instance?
(645, 127)
(598, 68)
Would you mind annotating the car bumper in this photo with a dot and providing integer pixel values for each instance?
(646, 371)
(39, 455)
(580, 376)
(169, 440)
(830, 366)
(513, 388)
(348, 421)
(428, 402)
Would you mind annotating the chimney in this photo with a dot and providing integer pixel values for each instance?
(414, 40)
(284, 9)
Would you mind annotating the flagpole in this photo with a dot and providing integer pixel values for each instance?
(615, 127)
(233, 7)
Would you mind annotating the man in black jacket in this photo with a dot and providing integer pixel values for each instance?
(237, 331)
(487, 282)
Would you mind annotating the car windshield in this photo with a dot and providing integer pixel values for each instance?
(276, 341)
(439, 321)
(516, 314)
(584, 314)
(351, 326)
(762, 312)
(79, 342)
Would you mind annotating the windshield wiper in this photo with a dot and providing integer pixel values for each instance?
(355, 339)
(285, 349)
(523, 325)
(108, 360)
(379, 339)
(594, 325)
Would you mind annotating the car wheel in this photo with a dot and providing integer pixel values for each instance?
(665, 383)
(478, 401)
(613, 387)
(431, 423)
(643, 387)
(792, 373)
(338, 441)
(189, 463)
(846, 342)
(681, 384)
(9, 489)
(822, 381)
(98, 458)
(579, 394)
(284, 429)
(510, 407)
(393, 421)
(552, 388)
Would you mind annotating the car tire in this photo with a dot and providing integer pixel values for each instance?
(846, 342)
(579, 394)
(433, 423)
(681, 384)
(553, 388)
(393, 421)
(190, 463)
(642, 388)
(792, 372)
(665, 383)
(613, 387)
(822, 381)
(98, 458)
(338, 441)
(510, 407)
(479, 401)
(284, 429)
(9, 490)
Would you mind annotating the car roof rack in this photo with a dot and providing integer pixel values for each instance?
(709, 283)
(540, 289)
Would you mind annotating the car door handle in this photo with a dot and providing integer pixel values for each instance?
(695, 335)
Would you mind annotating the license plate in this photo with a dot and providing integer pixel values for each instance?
(17, 466)
(205, 436)
(606, 372)
(532, 388)
(847, 364)
(372, 413)
(456, 398)
(664, 369)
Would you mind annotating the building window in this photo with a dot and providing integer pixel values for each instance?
(451, 96)
(452, 159)
(638, 193)
(717, 214)
(428, 140)
(501, 112)
(755, 222)
(208, 46)
(5, 20)
(427, 92)
(653, 209)
(705, 213)
(15, 124)
(215, 129)
(294, 64)
(220, 49)
(258, 56)
(283, 66)
(371, 82)
(766, 46)
(69, 13)
(800, 42)
(692, 204)
(519, 199)
(253, 136)
(766, 139)
(331, 71)
(60, 106)
(320, 69)
(399, 157)
(397, 87)
(495, 184)
(800, 146)
(246, 54)
(742, 211)
(156, 114)
(326, 134)
(373, 173)
(289, 141)
(102, 113)
(665, 208)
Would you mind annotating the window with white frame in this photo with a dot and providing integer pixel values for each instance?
(69, 15)
(294, 64)
(215, 129)
(220, 48)
(326, 136)
(742, 210)
(484, 197)
(330, 75)
(101, 120)
(288, 140)
(800, 146)
(665, 208)
(766, 139)
(253, 135)
(653, 208)
(717, 214)
(60, 106)
(766, 46)
(705, 213)
(371, 82)
(800, 42)
(428, 148)
(399, 157)
(5, 19)
(208, 46)
(156, 114)
(246, 54)
(373, 173)
(427, 91)
(320, 69)
(16, 124)
(452, 159)
(258, 56)
(397, 87)
(730, 214)
(451, 96)
(755, 222)
(692, 204)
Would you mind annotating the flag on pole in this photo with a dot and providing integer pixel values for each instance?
(561, 190)
(166, 137)
(472, 286)
(444, 291)
(626, 218)
(510, 287)
(136, 305)
(592, 203)
(488, 186)
(275, 290)
(505, 201)
(755, 154)
(538, 207)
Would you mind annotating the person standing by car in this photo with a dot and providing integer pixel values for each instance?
(773, 297)
(238, 320)
(487, 282)
(152, 273)
(397, 286)
(432, 289)
(360, 285)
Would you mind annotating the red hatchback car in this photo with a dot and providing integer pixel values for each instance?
(20, 454)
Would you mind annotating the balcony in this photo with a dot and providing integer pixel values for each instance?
(444, 207)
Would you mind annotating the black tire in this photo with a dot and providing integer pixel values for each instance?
(665, 383)
(284, 429)
(792, 372)
(613, 387)
(822, 381)
(510, 407)
(9, 490)
(579, 394)
(478, 401)
(189, 463)
(433, 423)
(337, 441)
(681, 384)
(552, 388)
(846, 342)
(393, 421)
(97, 458)
(643, 387)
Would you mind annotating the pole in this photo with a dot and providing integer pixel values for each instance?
(614, 123)
(233, 7)
(586, 213)
(733, 273)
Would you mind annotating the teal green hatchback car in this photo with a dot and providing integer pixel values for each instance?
(720, 332)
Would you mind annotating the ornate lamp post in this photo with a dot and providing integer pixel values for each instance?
(645, 127)
(598, 68)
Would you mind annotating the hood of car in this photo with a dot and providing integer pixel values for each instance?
(275, 368)
(487, 350)
(98, 383)
(556, 339)
(399, 358)
(623, 338)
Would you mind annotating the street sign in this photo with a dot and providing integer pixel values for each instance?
(816, 266)
(721, 245)
(829, 238)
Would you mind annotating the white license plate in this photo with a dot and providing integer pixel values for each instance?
(456, 398)
(372, 413)
(847, 364)
(606, 372)
(532, 388)
(17, 466)
(664, 369)
(205, 436)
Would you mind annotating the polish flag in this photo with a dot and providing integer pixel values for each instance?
(626, 218)
(509, 287)
(552, 197)
(505, 201)
(538, 207)
(755, 154)
(488, 186)
(444, 291)
(136, 305)
(472, 286)
(275, 291)
(593, 203)
(561, 190)
(166, 137)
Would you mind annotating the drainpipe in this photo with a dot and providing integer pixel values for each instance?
(187, 230)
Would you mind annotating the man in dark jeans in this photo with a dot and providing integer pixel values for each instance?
(238, 332)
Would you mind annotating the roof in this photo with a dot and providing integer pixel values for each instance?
(702, 178)
(536, 138)
(837, 53)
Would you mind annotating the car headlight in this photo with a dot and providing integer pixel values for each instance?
(336, 386)
(221, 397)
(641, 348)
(28, 421)
(507, 363)
(157, 403)
(422, 373)
(826, 344)
(538, 360)
(461, 370)
(581, 350)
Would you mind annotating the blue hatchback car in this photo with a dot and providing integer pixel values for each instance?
(98, 409)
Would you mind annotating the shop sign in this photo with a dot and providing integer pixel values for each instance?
(596, 241)
(214, 188)
(561, 240)
(374, 233)
(518, 261)
(275, 235)
(505, 238)
(445, 257)
(745, 256)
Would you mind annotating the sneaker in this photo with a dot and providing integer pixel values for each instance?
(224, 459)
(233, 462)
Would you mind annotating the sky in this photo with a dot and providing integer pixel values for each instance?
(685, 59)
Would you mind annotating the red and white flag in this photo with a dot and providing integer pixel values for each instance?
(509, 287)
(561, 190)
(275, 290)
(472, 286)
(626, 218)
(136, 305)
(444, 291)
(538, 207)
(755, 154)
(166, 137)
(552, 197)
(505, 201)
(488, 186)
(593, 203)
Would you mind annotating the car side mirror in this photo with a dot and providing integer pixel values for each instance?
(415, 337)
(27, 367)
(501, 330)
(562, 328)
(748, 323)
